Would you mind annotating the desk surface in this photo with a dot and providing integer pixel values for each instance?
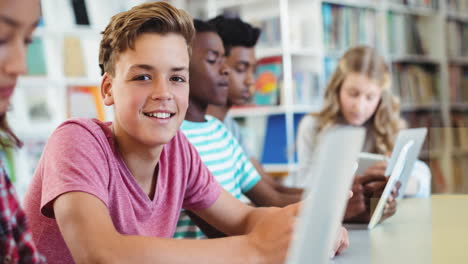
(423, 231)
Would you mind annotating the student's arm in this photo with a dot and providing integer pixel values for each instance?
(277, 186)
(97, 240)
(207, 229)
(263, 194)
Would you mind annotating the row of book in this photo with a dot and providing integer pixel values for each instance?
(460, 178)
(417, 3)
(435, 141)
(269, 80)
(307, 89)
(40, 105)
(458, 83)
(460, 130)
(460, 155)
(405, 34)
(344, 27)
(457, 38)
(460, 6)
(92, 13)
(416, 84)
(270, 35)
(432, 120)
(78, 56)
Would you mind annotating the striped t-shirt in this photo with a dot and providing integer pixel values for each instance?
(224, 157)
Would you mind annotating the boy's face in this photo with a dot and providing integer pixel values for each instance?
(241, 61)
(150, 88)
(208, 70)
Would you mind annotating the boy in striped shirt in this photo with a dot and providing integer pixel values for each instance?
(218, 148)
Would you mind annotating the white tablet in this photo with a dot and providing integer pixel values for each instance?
(326, 194)
(405, 152)
(366, 160)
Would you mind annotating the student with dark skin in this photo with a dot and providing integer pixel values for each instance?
(209, 85)
(239, 39)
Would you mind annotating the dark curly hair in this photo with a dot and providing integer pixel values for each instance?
(235, 32)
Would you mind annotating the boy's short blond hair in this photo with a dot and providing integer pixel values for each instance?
(125, 27)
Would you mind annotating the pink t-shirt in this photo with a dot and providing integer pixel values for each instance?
(81, 156)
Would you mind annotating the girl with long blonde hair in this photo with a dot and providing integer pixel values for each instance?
(358, 94)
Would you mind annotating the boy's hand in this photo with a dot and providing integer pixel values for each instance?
(341, 242)
(271, 236)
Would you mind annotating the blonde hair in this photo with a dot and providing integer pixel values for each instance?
(125, 27)
(386, 121)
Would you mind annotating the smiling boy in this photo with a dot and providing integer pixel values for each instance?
(112, 192)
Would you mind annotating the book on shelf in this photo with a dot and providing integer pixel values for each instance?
(460, 6)
(435, 142)
(35, 58)
(460, 179)
(416, 3)
(270, 34)
(37, 104)
(268, 81)
(459, 130)
(80, 12)
(275, 150)
(306, 87)
(432, 120)
(457, 38)
(415, 84)
(407, 34)
(458, 83)
(58, 14)
(439, 183)
(344, 27)
(85, 101)
(73, 61)
(34, 149)
(91, 59)
(101, 11)
(329, 66)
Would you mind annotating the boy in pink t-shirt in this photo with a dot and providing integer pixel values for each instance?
(112, 192)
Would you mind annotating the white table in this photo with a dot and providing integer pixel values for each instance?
(423, 231)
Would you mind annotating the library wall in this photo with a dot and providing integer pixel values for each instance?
(425, 43)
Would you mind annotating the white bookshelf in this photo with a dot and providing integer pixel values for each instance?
(433, 21)
(301, 47)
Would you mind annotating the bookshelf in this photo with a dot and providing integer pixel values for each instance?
(424, 42)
